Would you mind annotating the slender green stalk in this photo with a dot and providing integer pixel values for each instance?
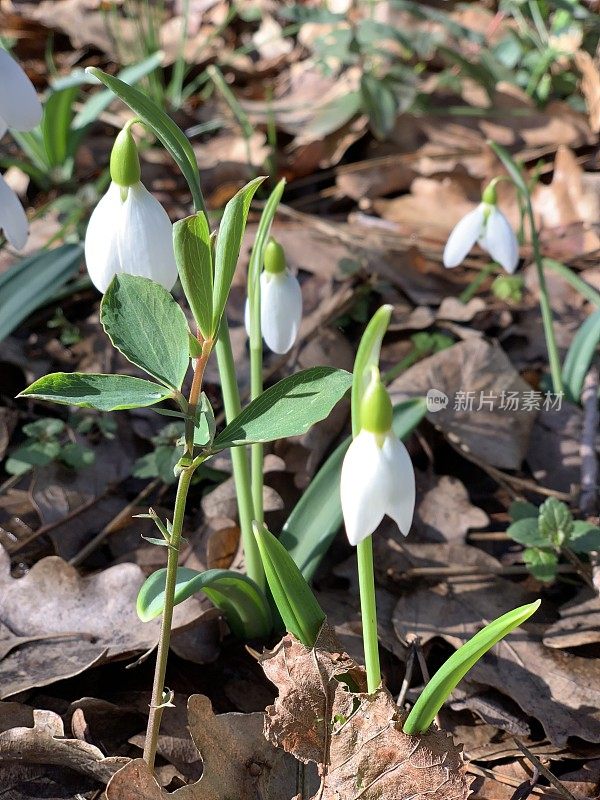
(545, 308)
(156, 706)
(247, 130)
(477, 281)
(368, 609)
(572, 278)
(239, 456)
(256, 450)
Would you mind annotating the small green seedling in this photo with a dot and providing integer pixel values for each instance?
(47, 441)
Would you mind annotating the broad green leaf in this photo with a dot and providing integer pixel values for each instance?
(297, 605)
(584, 537)
(145, 323)
(555, 521)
(367, 356)
(580, 355)
(244, 605)
(542, 563)
(526, 532)
(257, 259)
(511, 167)
(229, 241)
(56, 125)
(30, 455)
(289, 408)
(317, 516)
(445, 680)
(102, 392)
(193, 254)
(162, 126)
(521, 509)
(33, 281)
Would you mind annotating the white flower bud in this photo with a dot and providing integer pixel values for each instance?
(488, 226)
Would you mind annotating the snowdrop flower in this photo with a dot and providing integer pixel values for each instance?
(129, 231)
(280, 302)
(377, 473)
(19, 109)
(488, 226)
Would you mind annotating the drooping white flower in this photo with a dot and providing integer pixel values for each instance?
(13, 219)
(488, 226)
(19, 104)
(377, 473)
(129, 231)
(280, 302)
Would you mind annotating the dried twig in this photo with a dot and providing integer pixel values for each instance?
(560, 787)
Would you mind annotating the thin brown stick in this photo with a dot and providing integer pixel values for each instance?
(560, 787)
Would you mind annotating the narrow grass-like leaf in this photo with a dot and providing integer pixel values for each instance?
(579, 357)
(367, 356)
(511, 166)
(289, 408)
(33, 281)
(56, 125)
(145, 323)
(229, 241)
(91, 390)
(317, 516)
(297, 605)
(193, 254)
(244, 605)
(445, 680)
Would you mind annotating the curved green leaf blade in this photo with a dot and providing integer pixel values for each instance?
(579, 357)
(90, 390)
(445, 680)
(288, 408)
(193, 254)
(297, 605)
(229, 241)
(144, 322)
(244, 605)
(162, 126)
(317, 516)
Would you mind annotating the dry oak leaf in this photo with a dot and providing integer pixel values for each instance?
(355, 738)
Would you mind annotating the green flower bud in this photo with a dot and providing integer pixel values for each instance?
(274, 257)
(124, 160)
(489, 195)
(376, 412)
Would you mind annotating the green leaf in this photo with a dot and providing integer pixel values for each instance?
(56, 125)
(145, 323)
(288, 408)
(317, 516)
(380, 103)
(541, 563)
(584, 537)
(33, 281)
(580, 355)
(445, 680)
(46, 428)
(367, 356)
(520, 509)
(102, 392)
(30, 455)
(193, 254)
(229, 241)
(555, 521)
(162, 126)
(511, 167)
(301, 614)
(244, 605)
(76, 456)
(526, 532)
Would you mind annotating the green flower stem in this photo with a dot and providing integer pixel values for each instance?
(478, 281)
(572, 278)
(546, 310)
(256, 450)
(368, 607)
(156, 706)
(239, 456)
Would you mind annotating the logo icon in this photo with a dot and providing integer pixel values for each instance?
(435, 400)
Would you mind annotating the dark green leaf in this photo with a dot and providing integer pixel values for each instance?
(580, 355)
(289, 408)
(244, 605)
(380, 104)
(526, 532)
(520, 509)
(30, 455)
(229, 241)
(145, 323)
(193, 253)
(541, 563)
(102, 392)
(584, 537)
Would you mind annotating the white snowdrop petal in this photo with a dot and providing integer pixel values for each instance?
(145, 238)
(361, 490)
(3, 127)
(19, 104)
(13, 219)
(281, 310)
(400, 483)
(463, 237)
(500, 240)
(101, 250)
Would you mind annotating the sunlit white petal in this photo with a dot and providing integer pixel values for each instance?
(145, 238)
(377, 479)
(500, 240)
(101, 251)
(13, 220)
(463, 237)
(281, 310)
(19, 104)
